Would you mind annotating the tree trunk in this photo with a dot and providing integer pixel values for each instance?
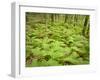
(85, 25)
(66, 17)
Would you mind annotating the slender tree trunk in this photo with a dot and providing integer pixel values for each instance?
(75, 19)
(85, 25)
(66, 17)
(52, 18)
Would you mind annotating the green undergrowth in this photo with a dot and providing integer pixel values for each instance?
(55, 44)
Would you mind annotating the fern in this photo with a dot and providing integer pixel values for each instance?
(56, 42)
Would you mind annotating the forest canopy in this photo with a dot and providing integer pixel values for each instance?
(57, 39)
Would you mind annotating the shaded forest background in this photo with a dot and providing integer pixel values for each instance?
(57, 39)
